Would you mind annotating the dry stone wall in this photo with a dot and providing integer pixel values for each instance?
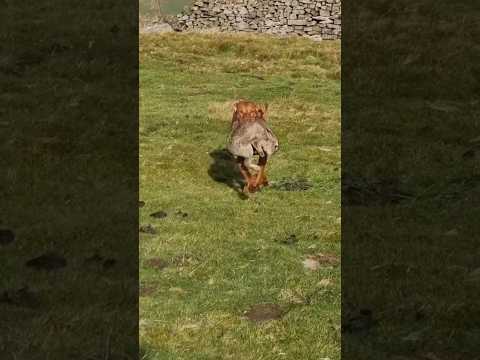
(320, 19)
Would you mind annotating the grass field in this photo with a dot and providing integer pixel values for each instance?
(211, 256)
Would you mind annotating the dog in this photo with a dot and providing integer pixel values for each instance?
(251, 136)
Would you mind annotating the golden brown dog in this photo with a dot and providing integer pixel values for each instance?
(249, 125)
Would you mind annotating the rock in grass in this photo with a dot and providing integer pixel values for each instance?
(159, 214)
(324, 282)
(48, 261)
(157, 28)
(311, 264)
(6, 236)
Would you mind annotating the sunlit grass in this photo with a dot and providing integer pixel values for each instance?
(226, 254)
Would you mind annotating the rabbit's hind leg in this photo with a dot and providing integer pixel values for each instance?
(251, 166)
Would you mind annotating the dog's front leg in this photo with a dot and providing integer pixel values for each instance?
(245, 173)
(261, 178)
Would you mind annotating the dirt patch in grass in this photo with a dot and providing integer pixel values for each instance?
(289, 240)
(186, 260)
(292, 185)
(156, 263)
(23, 297)
(326, 259)
(264, 312)
(48, 261)
(98, 261)
(6, 236)
(147, 289)
(148, 229)
(358, 322)
(159, 214)
(181, 214)
(109, 263)
(94, 259)
(314, 262)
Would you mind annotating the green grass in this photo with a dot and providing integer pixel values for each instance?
(225, 256)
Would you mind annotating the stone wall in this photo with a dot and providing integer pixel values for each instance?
(320, 19)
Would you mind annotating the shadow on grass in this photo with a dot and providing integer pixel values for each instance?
(224, 170)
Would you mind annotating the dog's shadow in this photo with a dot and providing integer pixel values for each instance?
(224, 170)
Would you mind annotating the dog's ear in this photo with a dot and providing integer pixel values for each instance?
(265, 108)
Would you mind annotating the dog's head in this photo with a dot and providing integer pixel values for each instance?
(250, 111)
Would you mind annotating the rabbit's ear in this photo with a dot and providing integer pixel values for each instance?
(265, 108)
(235, 106)
(259, 149)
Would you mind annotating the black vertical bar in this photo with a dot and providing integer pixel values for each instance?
(410, 180)
(69, 180)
